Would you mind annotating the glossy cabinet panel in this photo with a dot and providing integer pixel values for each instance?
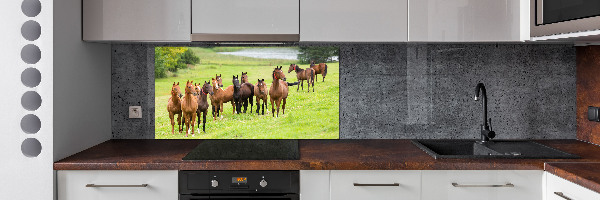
(314, 185)
(136, 20)
(353, 20)
(468, 20)
(245, 16)
(379, 184)
(117, 185)
(482, 184)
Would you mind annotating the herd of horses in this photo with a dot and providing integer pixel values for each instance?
(194, 101)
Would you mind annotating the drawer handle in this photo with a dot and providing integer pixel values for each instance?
(377, 185)
(560, 194)
(505, 185)
(94, 185)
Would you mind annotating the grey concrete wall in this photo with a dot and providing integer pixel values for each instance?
(411, 90)
(132, 85)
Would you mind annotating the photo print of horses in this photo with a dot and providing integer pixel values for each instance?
(246, 92)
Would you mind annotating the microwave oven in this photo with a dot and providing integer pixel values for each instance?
(561, 17)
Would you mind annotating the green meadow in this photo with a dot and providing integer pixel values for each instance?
(308, 115)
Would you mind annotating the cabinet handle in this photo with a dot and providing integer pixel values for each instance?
(560, 194)
(505, 185)
(367, 184)
(94, 185)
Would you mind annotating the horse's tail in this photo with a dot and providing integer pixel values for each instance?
(325, 71)
(292, 84)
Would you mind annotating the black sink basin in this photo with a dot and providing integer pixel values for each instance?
(493, 149)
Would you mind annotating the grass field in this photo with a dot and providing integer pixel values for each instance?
(308, 115)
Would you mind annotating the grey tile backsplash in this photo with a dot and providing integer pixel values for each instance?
(405, 91)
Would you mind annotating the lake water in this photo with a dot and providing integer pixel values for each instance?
(266, 53)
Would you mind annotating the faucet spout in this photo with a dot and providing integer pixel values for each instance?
(486, 132)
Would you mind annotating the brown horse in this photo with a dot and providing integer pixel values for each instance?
(321, 68)
(174, 107)
(260, 91)
(245, 77)
(303, 74)
(220, 96)
(203, 91)
(278, 92)
(189, 106)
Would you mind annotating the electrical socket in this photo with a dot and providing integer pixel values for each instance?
(135, 112)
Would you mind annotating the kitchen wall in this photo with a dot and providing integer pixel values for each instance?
(409, 90)
(588, 92)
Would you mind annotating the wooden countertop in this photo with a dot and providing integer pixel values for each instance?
(581, 173)
(376, 154)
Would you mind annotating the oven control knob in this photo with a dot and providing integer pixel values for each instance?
(263, 183)
(214, 183)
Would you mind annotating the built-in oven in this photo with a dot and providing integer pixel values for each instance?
(553, 17)
(234, 185)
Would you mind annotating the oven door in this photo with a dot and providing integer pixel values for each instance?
(236, 197)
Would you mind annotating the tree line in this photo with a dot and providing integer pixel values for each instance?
(171, 59)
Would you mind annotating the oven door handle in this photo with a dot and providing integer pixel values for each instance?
(251, 197)
(245, 196)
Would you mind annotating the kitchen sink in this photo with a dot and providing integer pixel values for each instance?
(491, 149)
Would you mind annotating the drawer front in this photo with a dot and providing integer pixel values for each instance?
(342, 184)
(161, 185)
(566, 189)
(482, 184)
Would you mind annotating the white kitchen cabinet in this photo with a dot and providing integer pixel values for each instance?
(117, 185)
(353, 20)
(378, 184)
(468, 20)
(314, 184)
(136, 20)
(561, 189)
(245, 20)
(482, 184)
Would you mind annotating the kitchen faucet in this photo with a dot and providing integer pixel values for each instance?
(486, 130)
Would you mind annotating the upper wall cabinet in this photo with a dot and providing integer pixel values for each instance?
(353, 20)
(468, 20)
(245, 20)
(136, 20)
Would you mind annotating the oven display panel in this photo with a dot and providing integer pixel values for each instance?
(239, 180)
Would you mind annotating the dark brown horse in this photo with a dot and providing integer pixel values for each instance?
(203, 91)
(220, 96)
(174, 107)
(278, 92)
(321, 68)
(260, 91)
(303, 74)
(189, 106)
(242, 94)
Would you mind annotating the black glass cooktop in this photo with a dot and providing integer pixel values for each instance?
(243, 149)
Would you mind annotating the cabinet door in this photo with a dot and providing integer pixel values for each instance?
(468, 20)
(354, 20)
(117, 185)
(379, 185)
(482, 184)
(314, 184)
(561, 189)
(136, 20)
(245, 16)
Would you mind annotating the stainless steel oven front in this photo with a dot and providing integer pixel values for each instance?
(234, 185)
